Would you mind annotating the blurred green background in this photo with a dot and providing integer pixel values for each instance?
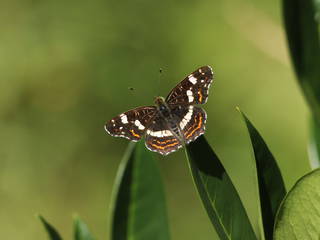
(65, 69)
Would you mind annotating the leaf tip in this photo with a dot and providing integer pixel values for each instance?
(242, 113)
(40, 217)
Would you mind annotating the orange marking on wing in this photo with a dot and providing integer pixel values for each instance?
(134, 134)
(196, 128)
(200, 96)
(167, 141)
(163, 147)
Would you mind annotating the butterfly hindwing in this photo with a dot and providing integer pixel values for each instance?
(159, 138)
(195, 127)
(191, 120)
(194, 89)
(132, 124)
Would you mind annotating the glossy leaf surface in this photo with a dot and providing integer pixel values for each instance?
(217, 192)
(139, 210)
(271, 185)
(299, 215)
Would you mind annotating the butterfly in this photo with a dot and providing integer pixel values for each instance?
(174, 121)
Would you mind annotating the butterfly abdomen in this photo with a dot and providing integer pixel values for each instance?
(175, 129)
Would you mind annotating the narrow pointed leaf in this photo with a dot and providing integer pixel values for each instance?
(217, 193)
(139, 210)
(52, 232)
(299, 214)
(81, 231)
(314, 145)
(271, 186)
(301, 19)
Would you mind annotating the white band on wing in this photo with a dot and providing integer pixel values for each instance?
(164, 133)
(186, 118)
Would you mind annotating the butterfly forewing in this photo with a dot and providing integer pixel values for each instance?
(194, 89)
(132, 124)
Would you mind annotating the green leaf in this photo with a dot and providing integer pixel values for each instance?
(314, 145)
(271, 186)
(299, 214)
(217, 193)
(52, 232)
(139, 210)
(81, 231)
(301, 19)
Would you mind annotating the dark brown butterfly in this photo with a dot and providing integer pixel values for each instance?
(174, 121)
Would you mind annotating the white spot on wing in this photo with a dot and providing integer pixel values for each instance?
(192, 79)
(139, 125)
(124, 118)
(190, 96)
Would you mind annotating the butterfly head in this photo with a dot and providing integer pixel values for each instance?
(162, 106)
(159, 101)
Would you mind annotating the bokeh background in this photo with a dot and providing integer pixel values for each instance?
(66, 67)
